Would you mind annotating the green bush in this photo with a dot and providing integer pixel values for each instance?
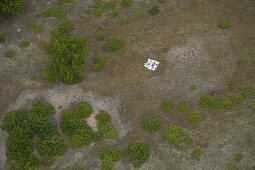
(42, 108)
(114, 44)
(138, 153)
(104, 125)
(3, 37)
(10, 53)
(10, 6)
(194, 117)
(56, 11)
(216, 102)
(99, 7)
(83, 136)
(111, 4)
(178, 135)
(115, 13)
(223, 24)
(14, 119)
(82, 110)
(238, 157)
(99, 63)
(167, 106)
(183, 107)
(151, 125)
(67, 54)
(24, 43)
(35, 27)
(193, 87)
(126, 3)
(196, 153)
(231, 166)
(153, 11)
(108, 157)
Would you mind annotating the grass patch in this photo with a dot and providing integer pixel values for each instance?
(100, 35)
(104, 125)
(33, 77)
(99, 63)
(10, 53)
(108, 157)
(153, 11)
(138, 153)
(67, 54)
(231, 166)
(194, 117)
(115, 13)
(223, 24)
(35, 27)
(113, 44)
(57, 12)
(167, 106)
(183, 107)
(238, 157)
(216, 102)
(151, 125)
(196, 153)
(126, 3)
(193, 87)
(3, 37)
(24, 43)
(177, 135)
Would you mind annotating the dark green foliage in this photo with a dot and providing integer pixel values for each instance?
(138, 153)
(216, 102)
(10, 53)
(115, 13)
(178, 135)
(83, 136)
(67, 54)
(10, 6)
(167, 106)
(99, 63)
(3, 37)
(51, 146)
(104, 125)
(126, 3)
(35, 27)
(14, 119)
(223, 24)
(24, 43)
(108, 157)
(196, 153)
(153, 11)
(56, 11)
(151, 125)
(183, 107)
(113, 44)
(194, 117)
(82, 110)
(42, 108)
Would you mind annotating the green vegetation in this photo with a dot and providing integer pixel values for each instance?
(138, 153)
(35, 27)
(3, 37)
(223, 24)
(177, 135)
(194, 117)
(193, 87)
(24, 43)
(115, 13)
(56, 11)
(196, 153)
(216, 102)
(161, 1)
(10, 6)
(167, 106)
(104, 125)
(153, 11)
(99, 63)
(22, 127)
(67, 54)
(114, 44)
(231, 166)
(100, 35)
(151, 125)
(33, 77)
(183, 107)
(238, 157)
(126, 3)
(10, 53)
(108, 157)
(73, 125)
(100, 6)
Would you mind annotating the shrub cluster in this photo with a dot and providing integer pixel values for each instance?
(10, 53)
(74, 126)
(194, 117)
(56, 11)
(167, 106)
(126, 3)
(99, 63)
(104, 125)
(22, 127)
(24, 43)
(67, 55)
(223, 24)
(10, 6)
(108, 157)
(177, 135)
(196, 153)
(3, 37)
(101, 6)
(183, 107)
(151, 125)
(113, 44)
(138, 153)
(35, 27)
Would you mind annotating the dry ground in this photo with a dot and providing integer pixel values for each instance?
(192, 50)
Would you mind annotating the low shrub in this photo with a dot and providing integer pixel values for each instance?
(223, 24)
(10, 6)
(42, 108)
(115, 13)
(35, 27)
(113, 44)
(178, 135)
(138, 153)
(167, 106)
(83, 136)
(194, 117)
(108, 157)
(216, 102)
(3, 37)
(56, 11)
(231, 166)
(10, 53)
(82, 110)
(151, 125)
(99, 63)
(183, 107)
(238, 157)
(153, 11)
(126, 3)
(196, 153)
(24, 43)
(193, 87)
